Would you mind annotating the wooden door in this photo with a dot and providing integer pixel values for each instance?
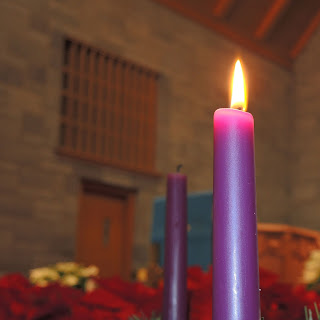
(105, 223)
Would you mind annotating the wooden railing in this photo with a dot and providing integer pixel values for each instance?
(284, 249)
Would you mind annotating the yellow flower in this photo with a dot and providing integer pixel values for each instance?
(39, 274)
(311, 265)
(69, 280)
(67, 267)
(142, 275)
(42, 283)
(52, 275)
(309, 276)
(315, 255)
(90, 285)
(91, 271)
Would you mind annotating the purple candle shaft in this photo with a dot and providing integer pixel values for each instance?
(175, 261)
(235, 257)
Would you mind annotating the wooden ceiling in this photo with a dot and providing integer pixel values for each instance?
(275, 29)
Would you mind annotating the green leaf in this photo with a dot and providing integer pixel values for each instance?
(317, 310)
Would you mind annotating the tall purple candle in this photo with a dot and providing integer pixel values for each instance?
(235, 258)
(175, 260)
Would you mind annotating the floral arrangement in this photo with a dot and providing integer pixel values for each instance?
(311, 276)
(47, 295)
(69, 274)
(311, 272)
(113, 299)
(309, 315)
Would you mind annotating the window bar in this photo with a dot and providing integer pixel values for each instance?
(99, 106)
(138, 116)
(79, 96)
(122, 112)
(126, 113)
(146, 106)
(78, 122)
(108, 106)
(85, 101)
(153, 119)
(135, 116)
(69, 91)
(146, 114)
(116, 113)
(149, 125)
(141, 119)
(132, 115)
(90, 77)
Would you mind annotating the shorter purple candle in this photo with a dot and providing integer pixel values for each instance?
(175, 260)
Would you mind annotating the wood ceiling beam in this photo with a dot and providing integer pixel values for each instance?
(225, 30)
(271, 18)
(222, 8)
(306, 35)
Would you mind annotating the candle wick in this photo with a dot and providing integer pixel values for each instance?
(179, 166)
(237, 107)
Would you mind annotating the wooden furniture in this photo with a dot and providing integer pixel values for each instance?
(284, 249)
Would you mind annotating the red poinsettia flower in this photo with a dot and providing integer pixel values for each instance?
(146, 300)
(267, 278)
(14, 281)
(119, 300)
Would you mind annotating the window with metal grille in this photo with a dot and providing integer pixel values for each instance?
(108, 109)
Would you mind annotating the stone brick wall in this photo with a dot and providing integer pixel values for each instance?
(306, 142)
(39, 190)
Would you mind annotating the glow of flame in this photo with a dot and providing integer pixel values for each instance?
(238, 99)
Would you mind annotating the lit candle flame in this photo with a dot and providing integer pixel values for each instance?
(238, 99)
